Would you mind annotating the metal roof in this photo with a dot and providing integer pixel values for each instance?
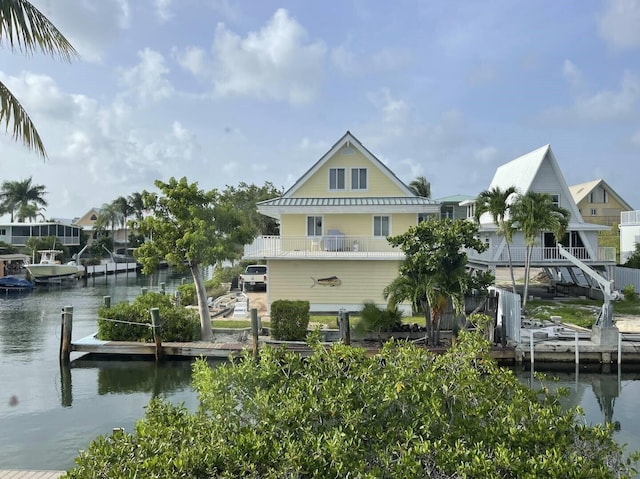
(351, 201)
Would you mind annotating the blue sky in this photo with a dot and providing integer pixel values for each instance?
(224, 91)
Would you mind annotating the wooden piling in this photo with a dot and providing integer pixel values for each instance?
(106, 301)
(155, 324)
(254, 331)
(162, 288)
(65, 334)
(346, 329)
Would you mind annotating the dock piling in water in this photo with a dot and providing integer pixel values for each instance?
(65, 334)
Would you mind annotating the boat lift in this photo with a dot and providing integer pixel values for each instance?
(604, 332)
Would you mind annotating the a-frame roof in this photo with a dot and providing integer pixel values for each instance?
(580, 192)
(350, 140)
(522, 172)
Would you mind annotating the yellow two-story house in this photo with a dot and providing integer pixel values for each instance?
(334, 221)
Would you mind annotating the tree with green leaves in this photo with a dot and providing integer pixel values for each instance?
(22, 199)
(496, 202)
(191, 228)
(633, 261)
(434, 271)
(246, 197)
(25, 28)
(421, 187)
(340, 412)
(534, 213)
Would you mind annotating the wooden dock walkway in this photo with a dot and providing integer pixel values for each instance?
(15, 474)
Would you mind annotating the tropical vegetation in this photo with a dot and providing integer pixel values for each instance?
(434, 271)
(22, 200)
(25, 28)
(633, 261)
(191, 228)
(405, 412)
(496, 202)
(132, 321)
(421, 187)
(532, 214)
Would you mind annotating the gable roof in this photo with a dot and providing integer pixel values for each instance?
(455, 199)
(348, 139)
(582, 190)
(522, 172)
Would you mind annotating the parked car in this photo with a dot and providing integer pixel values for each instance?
(254, 277)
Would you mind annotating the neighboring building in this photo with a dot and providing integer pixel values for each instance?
(88, 221)
(629, 233)
(456, 207)
(17, 234)
(599, 203)
(539, 171)
(332, 250)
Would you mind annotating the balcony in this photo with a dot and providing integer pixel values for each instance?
(630, 217)
(541, 256)
(327, 247)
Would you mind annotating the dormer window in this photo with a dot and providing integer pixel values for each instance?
(358, 178)
(336, 179)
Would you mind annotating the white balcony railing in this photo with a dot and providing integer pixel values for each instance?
(367, 246)
(541, 255)
(321, 246)
(630, 217)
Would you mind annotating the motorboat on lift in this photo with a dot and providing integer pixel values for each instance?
(49, 269)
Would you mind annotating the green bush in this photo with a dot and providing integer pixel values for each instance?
(405, 413)
(378, 320)
(176, 324)
(289, 320)
(629, 292)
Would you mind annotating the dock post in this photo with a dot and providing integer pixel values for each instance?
(177, 298)
(254, 331)
(162, 288)
(531, 348)
(106, 301)
(144, 290)
(65, 335)
(619, 349)
(577, 352)
(155, 324)
(346, 329)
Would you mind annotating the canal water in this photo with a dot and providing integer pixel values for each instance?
(46, 417)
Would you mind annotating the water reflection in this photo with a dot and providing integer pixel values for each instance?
(597, 393)
(130, 376)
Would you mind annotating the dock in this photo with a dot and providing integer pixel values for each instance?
(15, 474)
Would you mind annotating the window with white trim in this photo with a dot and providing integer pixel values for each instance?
(555, 199)
(358, 178)
(336, 179)
(314, 225)
(594, 212)
(381, 226)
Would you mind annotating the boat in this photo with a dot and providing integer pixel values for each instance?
(51, 270)
(15, 284)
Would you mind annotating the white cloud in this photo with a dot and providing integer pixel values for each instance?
(193, 59)
(91, 27)
(606, 105)
(572, 73)
(345, 61)
(393, 110)
(276, 62)
(620, 24)
(147, 79)
(163, 10)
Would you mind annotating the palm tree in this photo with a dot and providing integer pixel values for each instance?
(421, 187)
(495, 202)
(22, 199)
(25, 28)
(534, 213)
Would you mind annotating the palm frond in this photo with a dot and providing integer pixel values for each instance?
(25, 28)
(11, 111)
